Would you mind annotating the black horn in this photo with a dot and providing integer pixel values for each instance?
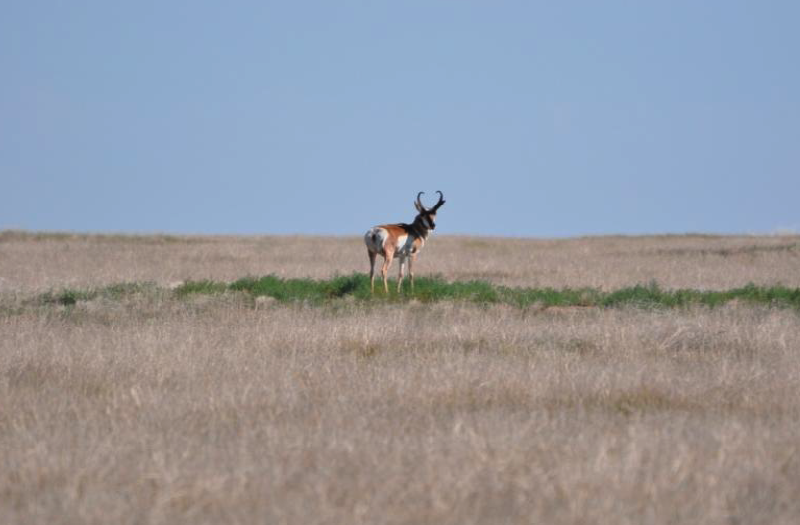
(420, 194)
(441, 201)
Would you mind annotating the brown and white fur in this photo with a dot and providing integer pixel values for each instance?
(403, 241)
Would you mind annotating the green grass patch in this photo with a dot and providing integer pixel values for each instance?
(651, 296)
(431, 289)
(356, 287)
(426, 289)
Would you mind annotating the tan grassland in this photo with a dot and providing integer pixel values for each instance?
(52, 260)
(210, 409)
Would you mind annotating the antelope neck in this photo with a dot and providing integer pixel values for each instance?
(419, 229)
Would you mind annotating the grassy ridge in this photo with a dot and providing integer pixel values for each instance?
(432, 289)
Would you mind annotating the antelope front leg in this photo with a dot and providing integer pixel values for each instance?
(400, 277)
(411, 270)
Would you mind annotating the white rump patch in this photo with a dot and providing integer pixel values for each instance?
(375, 238)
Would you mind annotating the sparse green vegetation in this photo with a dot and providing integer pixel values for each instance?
(434, 289)
(70, 297)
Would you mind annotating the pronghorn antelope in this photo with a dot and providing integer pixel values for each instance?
(400, 240)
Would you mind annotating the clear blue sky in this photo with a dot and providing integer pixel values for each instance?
(533, 118)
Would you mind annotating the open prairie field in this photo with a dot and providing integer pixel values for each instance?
(160, 379)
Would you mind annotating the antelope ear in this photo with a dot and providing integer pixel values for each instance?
(417, 206)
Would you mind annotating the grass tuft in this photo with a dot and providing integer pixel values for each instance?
(204, 287)
(67, 297)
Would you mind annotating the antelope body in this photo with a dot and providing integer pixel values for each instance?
(403, 241)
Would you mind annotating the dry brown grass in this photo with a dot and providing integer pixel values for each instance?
(43, 261)
(151, 409)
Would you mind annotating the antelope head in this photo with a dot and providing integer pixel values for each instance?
(427, 216)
